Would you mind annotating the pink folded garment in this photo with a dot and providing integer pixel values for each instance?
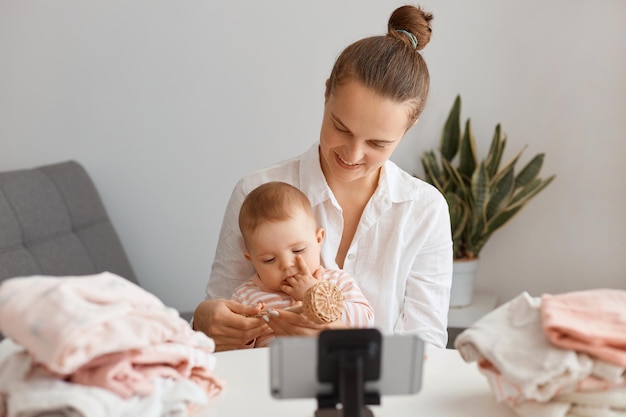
(65, 322)
(591, 321)
(131, 372)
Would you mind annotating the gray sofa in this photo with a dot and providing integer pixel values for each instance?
(53, 222)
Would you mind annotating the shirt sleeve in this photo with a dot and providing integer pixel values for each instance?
(427, 295)
(230, 267)
(357, 311)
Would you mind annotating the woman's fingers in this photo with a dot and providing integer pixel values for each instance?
(242, 309)
(291, 324)
(287, 323)
(225, 322)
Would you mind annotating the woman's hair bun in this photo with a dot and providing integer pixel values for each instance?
(415, 21)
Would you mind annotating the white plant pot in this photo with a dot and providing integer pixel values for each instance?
(463, 278)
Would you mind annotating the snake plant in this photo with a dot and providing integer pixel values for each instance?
(482, 196)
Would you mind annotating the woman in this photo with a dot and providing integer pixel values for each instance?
(387, 229)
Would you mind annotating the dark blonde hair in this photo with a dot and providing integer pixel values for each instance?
(390, 65)
(271, 202)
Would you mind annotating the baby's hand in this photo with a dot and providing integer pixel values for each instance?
(298, 285)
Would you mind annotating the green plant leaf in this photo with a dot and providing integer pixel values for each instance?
(433, 174)
(502, 189)
(478, 198)
(505, 170)
(459, 213)
(530, 171)
(451, 133)
(480, 190)
(456, 182)
(529, 191)
(467, 153)
(496, 150)
(482, 195)
(500, 220)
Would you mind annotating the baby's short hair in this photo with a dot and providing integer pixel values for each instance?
(272, 201)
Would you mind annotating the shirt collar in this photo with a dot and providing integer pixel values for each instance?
(393, 187)
(399, 185)
(312, 180)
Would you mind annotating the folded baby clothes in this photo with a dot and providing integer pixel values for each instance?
(510, 338)
(65, 322)
(608, 403)
(130, 373)
(30, 390)
(590, 321)
(555, 355)
(98, 345)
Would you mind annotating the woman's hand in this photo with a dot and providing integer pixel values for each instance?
(293, 324)
(226, 323)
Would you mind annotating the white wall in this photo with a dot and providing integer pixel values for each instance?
(168, 103)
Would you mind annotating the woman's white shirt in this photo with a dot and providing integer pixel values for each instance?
(401, 254)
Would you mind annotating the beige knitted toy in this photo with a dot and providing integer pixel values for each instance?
(322, 303)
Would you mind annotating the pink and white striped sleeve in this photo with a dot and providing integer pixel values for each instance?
(357, 311)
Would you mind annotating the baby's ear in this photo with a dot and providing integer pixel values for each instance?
(247, 255)
(320, 234)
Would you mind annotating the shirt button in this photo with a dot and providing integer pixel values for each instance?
(351, 256)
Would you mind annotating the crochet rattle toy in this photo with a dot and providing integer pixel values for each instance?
(322, 303)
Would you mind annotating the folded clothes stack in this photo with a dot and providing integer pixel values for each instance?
(98, 346)
(560, 355)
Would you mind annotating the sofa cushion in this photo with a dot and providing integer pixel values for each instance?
(53, 222)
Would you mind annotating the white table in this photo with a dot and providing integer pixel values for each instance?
(450, 388)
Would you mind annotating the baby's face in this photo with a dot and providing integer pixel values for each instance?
(273, 247)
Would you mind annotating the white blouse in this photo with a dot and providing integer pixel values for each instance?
(401, 254)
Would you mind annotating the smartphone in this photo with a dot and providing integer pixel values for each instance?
(293, 367)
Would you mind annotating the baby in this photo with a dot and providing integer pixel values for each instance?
(283, 242)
